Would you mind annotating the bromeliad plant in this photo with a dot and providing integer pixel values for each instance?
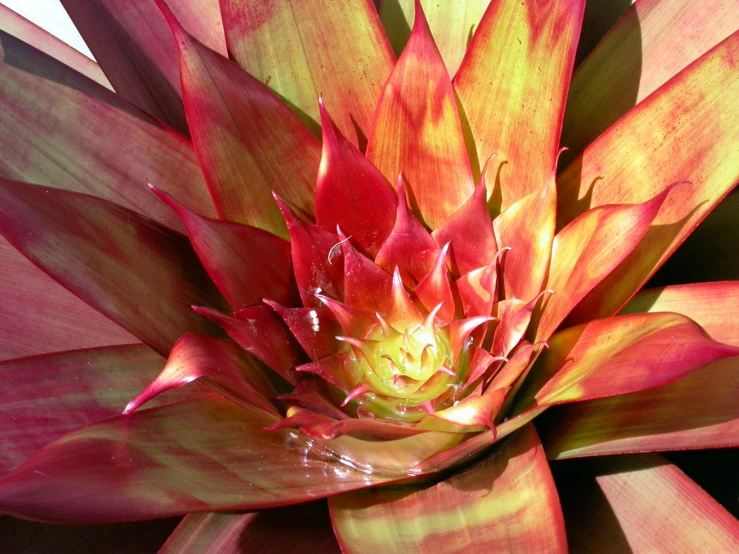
(377, 316)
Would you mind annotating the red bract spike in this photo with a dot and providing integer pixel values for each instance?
(356, 392)
(351, 192)
(297, 418)
(259, 331)
(403, 312)
(434, 288)
(366, 285)
(340, 370)
(478, 289)
(314, 270)
(462, 328)
(311, 394)
(515, 316)
(470, 232)
(219, 365)
(387, 330)
(246, 263)
(429, 323)
(314, 328)
(410, 246)
(355, 322)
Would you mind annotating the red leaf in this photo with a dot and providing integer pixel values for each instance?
(351, 193)
(246, 263)
(315, 329)
(204, 455)
(241, 130)
(366, 285)
(138, 273)
(417, 130)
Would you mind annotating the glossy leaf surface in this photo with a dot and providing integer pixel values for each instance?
(187, 457)
(506, 502)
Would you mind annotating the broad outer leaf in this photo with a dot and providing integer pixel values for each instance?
(714, 306)
(308, 525)
(698, 411)
(512, 86)
(43, 397)
(304, 48)
(132, 43)
(71, 133)
(640, 504)
(505, 503)
(452, 23)
(587, 250)
(45, 316)
(648, 149)
(186, 457)
(21, 28)
(247, 140)
(417, 130)
(138, 273)
(652, 42)
(622, 354)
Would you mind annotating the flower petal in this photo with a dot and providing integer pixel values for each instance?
(138, 273)
(527, 229)
(219, 365)
(64, 390)
(505, 503)
(512, 87)
(647, 150)
(23, 29)
(202, 455)
(651, 43)
(58, 118)
(246, 263)
(452, 25)
(46, 317)
(241, 130)
(641, 504)
(620, 355)
(588, 249)
(131, 42)
(351, 192)
(305, 48)
(417, 130)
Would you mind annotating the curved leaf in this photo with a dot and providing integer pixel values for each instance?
(23, 29)
(417, 130)
(241, 130)
(187, 457)
(303, 48)
(45, 316)
(131, 42)
(652, 42)
(512, 87)
(59, 119)
(648, 150)
(141, 275)
(505, 503)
